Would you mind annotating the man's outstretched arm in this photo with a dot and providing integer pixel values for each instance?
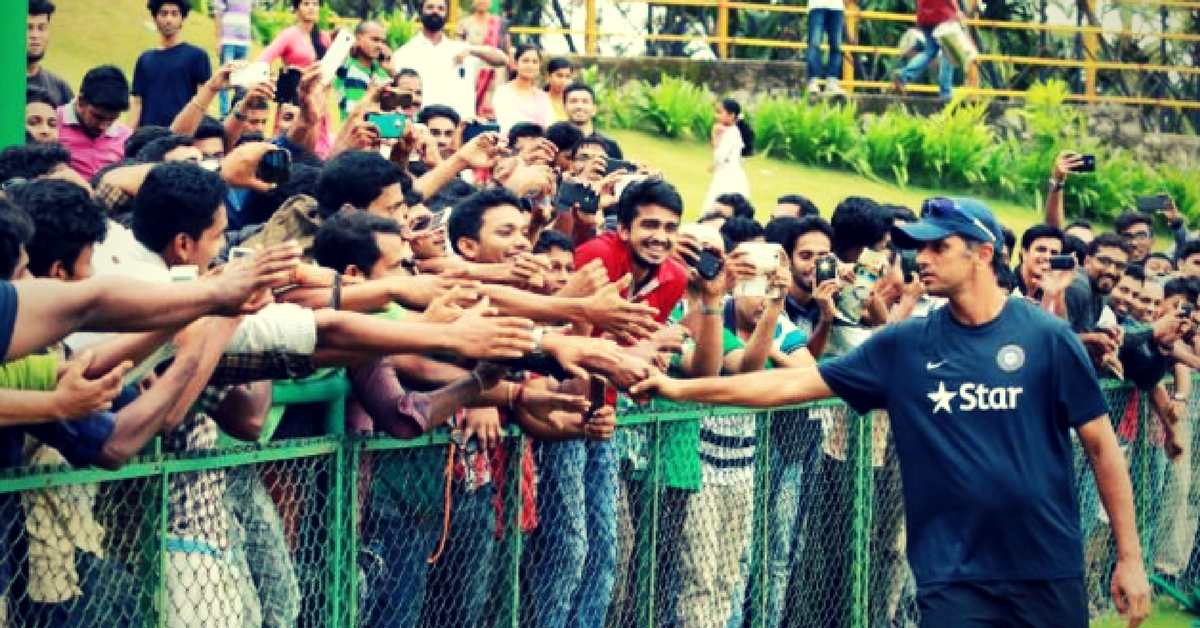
(48, 310)
(763, 389)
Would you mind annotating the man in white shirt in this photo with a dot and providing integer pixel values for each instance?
(448, 68)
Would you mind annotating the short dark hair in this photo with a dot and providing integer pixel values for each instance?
(558, 63)
(16, 230)
(522, 130)
(610, 148)
(1189, 248)
(553, 239)
(858, 222)
(466, 221)
(32, 161)
(1187, 286)
(1039, 232)
(348, 238)
(406, 72)
(738, 230)
(1129, 219)
(41, 7)
(1109, 241)
(742, 208)
(1137, 272)
(105, 87)
(900, 212)
(1162, 256)
(176, 198)
(35, 95)
(1082, 223)
(185, 6)
(807, 207)
(564, 135)
(786, 231)
(578, 87)
(449, 196)
(1076, 247)
(209, 128)
(66, 220)
(260, 206)
(438, 111)
(142, 136)
(647, 192)
(356, 178)
(156, 151)
(296, 3)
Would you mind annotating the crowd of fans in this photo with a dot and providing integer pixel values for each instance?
(161, 273)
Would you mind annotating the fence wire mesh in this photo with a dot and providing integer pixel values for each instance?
(691, 517)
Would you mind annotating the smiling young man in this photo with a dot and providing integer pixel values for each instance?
(981, 395)
(166, 78)
(1038, 244)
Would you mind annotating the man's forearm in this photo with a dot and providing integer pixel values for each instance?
(348, 331)
(132, 347)
(758, 348)
(441, 175)
(1112, 480)
(764, 389)
(189, 118)
(1056, 216)
(816, 344)
(706, 328)
(26, 407)
(138, 422)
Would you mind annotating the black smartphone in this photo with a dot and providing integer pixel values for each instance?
(1088, 164)
(826, 269)
(391, 125)
(618, 165)
(1185, 310)
(1152, 204)
(1062, 262)
(389, 100)
(708, 265)
(571, 193)
(287, 89)
(474, 130)
(597, 397)
(908, 265)
(275, 167)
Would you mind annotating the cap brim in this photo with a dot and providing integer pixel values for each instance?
(913, 235)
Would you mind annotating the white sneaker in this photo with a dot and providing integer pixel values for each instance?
(814, 88)
(832, 88)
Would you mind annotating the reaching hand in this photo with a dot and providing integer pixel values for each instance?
(220, 78)
(483, 423)
(75, 396)
(1131, 590)
(628, 322)
(482, 152)
(240, 167)
(585, 281)
(272, 268)
(602, 424)
(526, 180)
(539, 152)
(263, 93)
(656, 383)
(477, 335)
(449, 307)
(530, 270)
(1065, 164)
(541, 404)
(825, 295)
(578, 354)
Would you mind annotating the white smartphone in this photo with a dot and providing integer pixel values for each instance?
(253, 74)
(336, 56)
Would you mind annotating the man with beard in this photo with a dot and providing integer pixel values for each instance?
(447, 67)
(579, 101)
(982, 395)
(810, 308)
(166, 78)
(36, 40)
(1108, 256)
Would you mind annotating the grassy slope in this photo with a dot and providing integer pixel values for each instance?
(87, 33)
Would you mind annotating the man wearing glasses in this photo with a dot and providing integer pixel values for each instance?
(982, 395)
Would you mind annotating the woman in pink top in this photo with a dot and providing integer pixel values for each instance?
(303, 44)
(522, 99)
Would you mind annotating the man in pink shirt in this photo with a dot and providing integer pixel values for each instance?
(88, 125)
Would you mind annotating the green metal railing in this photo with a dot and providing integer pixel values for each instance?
(325, 494)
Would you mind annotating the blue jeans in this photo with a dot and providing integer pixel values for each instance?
(827, 22)
(229, 53)
(451, 592)
(575, 547)
(921, 61)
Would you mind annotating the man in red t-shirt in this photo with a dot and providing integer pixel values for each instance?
(648, 218)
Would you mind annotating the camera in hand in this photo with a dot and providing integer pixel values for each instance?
(275, 167)
(571, 193)
(391, 100)
(287, 89)
(1087, 164)
(474, 130)
(826, 269)
(1062, 262)
(908, 265)
(618, 165)
(391, 125)
(1152, 204)
(708, 265)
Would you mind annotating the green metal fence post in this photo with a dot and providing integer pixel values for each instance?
(1141, 451)
(13, 24)
(335, 511)
(162, 595)
(860, 445)
(512, 533)
(353, 451)
(759, 580)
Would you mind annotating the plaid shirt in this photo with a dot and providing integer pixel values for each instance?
(197, 498)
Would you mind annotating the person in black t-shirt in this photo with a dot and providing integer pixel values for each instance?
(36, 40)
(166, 78)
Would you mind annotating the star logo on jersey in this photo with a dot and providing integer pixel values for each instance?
(1010, 358)
(942, 398)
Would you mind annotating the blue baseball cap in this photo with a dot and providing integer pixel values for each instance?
(942, 217)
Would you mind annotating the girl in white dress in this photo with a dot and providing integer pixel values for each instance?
(732, 139)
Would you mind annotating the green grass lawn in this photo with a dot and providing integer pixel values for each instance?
(1167, 614)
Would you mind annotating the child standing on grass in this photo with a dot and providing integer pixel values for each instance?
(732, 139)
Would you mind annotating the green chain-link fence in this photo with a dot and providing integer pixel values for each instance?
(690, 517)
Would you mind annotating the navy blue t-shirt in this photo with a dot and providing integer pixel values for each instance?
(981, 418)
(167, 79)
(8, 316)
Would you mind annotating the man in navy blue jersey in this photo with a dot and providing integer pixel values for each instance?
(981, 396)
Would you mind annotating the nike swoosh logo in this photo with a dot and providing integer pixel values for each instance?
(929, 366)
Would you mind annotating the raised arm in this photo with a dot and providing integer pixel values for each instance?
(762, 389)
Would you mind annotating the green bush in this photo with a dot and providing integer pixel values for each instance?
(675, 108)
(268, 25)
(400, 29)
(892, 141)
(955, 147)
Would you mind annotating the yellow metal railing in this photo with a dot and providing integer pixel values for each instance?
(1090, 64)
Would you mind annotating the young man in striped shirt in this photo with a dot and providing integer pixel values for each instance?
(367, 63)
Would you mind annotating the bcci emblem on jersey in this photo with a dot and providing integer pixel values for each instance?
(1010, 358)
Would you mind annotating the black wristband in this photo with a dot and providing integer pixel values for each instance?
(335, 301)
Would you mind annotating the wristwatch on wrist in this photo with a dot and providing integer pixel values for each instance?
(1055, 185)
(539, 335)
(704, 310)
(1179, 397)
(238, 115)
